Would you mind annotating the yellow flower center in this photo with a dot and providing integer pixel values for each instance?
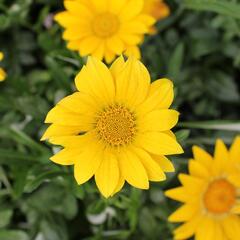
(116, 125)
(219, 197)
(105, 25)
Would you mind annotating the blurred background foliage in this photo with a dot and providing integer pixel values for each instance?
(198, 47)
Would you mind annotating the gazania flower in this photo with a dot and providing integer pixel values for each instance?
(116, 127)
(210, 195)
(157, 9)
(104, 28)
(2, 72)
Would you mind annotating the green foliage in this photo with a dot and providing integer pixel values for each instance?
(198, 50)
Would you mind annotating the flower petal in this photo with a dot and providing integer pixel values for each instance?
(133, 83)
(188, 229)
(56, 130)
(202, 157)
(158, 143)
(66, 156)
(132, 170)
(235, 150)
(165, 164)
(158, 120)
(131, 9)
(107, 175)
(87, 163)
(154, 171)
(160, 96)
(184, 213)
(95, 79)
(117, 66)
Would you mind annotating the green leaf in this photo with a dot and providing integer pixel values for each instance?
(219, 6)
(213, 125)
(13, 235)
(43, 177)
(5, 217)
(175, 61)
(182, 134)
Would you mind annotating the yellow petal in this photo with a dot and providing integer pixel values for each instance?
(133, 51)
(119, 186)
(115, 44)
(165, 164)
(100, 51)
(80, 103)
(73, 34)
(158, 120)
(132, 40)
(206, 231)
(160, 96)
(2, 74)
(77, 8)
(202, 157)
(56, 130)
(87, 163)
(179, 194)
(236, 208)
(132, 83)
(221, 157)
(79, 141)
(235, 150)
(95, 79)
(191, 182)
(117, 66)
(231, 227)
(109, 56)
(132, 170)
(198, 170)
(188, 229)
(66, 19)
(107, 175)
(88, 45)
(62, 116)
(66, 156)
(74, 44)
(146, 19)
(154, 171)
(116, 6)
(158, 143)
(184, 213)
(131, 9)
(171, 134)
(135, 26)
(100, 6)
(1, 56)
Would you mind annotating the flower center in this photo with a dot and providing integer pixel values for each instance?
(219, 197)
(105, 25)
(116, 125)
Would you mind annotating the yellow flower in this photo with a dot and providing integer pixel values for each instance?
(2, 72)
(157, 9)
(210, 194)
(104, 28)
(116, 127)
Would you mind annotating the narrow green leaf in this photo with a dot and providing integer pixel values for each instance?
(223, 7)
(213, 125)
(44, 177)
(175, 61)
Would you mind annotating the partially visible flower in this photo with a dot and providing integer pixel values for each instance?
(157, 9)
(210, 195)
(117, 127)
(104, 28)
(2, 72)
